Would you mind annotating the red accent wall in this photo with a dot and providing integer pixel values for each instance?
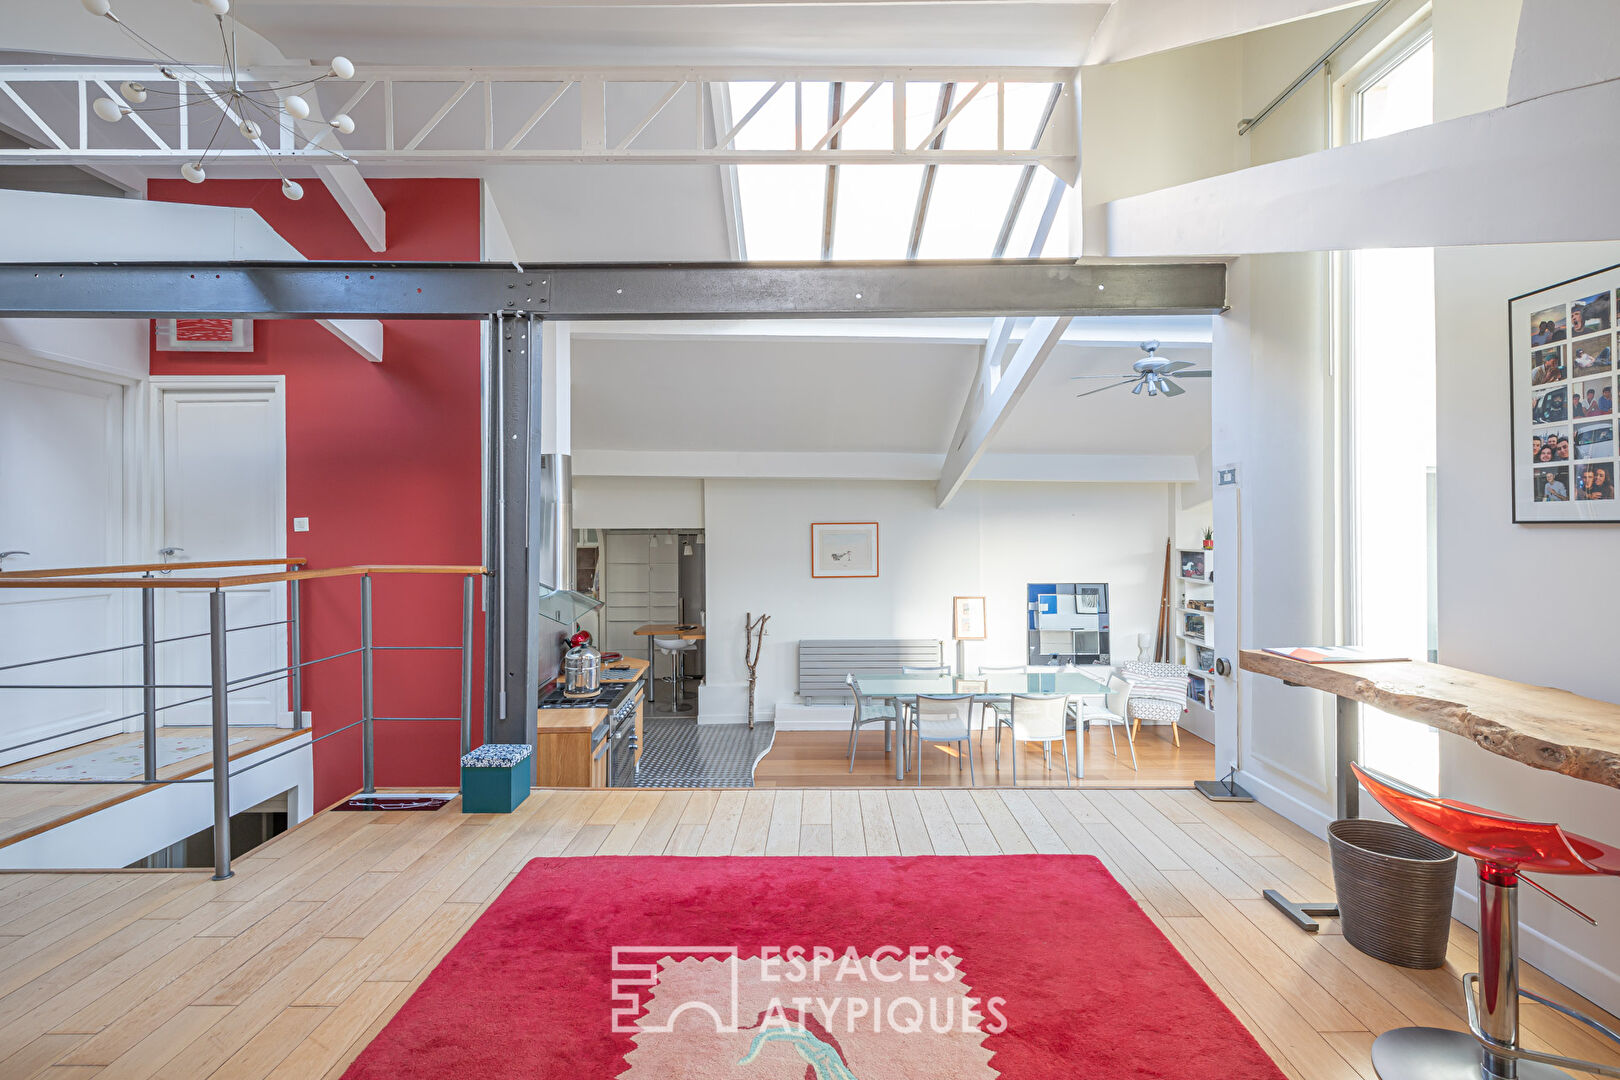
(384, 461)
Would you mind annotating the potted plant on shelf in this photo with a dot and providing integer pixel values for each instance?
(1209, 538)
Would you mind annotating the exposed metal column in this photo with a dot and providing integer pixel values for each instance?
(221, 733)
(517, 534)
(149, 752)
(466, 661)
(368, 757)
(295, 646)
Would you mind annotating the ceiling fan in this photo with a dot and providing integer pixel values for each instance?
(1151, 374)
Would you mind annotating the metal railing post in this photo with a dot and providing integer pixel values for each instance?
(367, 755)
(466, 662)
(222, 739)
(296, 649)
(149, 683)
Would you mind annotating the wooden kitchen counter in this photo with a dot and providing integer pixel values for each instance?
(586, 719)
(562, 741)
(1537, 725)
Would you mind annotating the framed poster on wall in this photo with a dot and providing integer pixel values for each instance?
(844, 549)
(1562, 342)
(205, 335)
(967, 618)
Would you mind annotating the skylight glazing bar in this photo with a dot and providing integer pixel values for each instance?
(919, 214)
(753, 111)
(829, 210)
(1027, 177)
(837, 124)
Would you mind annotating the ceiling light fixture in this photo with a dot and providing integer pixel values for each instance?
(245, 106)
(1151, 373)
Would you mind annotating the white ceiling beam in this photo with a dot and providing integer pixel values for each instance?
(1133, 28)
(1563, 44)
(998, 400)
(1456, 183)
(880, 465)
(355, 198)
(50, 227)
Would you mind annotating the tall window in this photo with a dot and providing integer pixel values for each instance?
(1389, 397)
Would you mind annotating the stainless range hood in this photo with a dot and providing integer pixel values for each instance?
(557, 600)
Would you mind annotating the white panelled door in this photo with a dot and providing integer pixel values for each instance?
(220, 489)
(62, 501)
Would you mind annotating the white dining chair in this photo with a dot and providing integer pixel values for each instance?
(1114, 713)
(865, 713)
(998, 705)
(945, 718)
(1041, 718)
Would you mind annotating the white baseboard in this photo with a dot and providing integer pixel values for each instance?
(791, 716)
(1570, 967)
(1298, 811)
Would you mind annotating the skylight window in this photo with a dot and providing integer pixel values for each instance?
(890, 211)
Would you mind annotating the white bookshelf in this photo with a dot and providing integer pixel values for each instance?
(1193, 607)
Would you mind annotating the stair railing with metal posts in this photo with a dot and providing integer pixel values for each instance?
(220, 685)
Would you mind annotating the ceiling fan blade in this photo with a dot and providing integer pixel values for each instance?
(1100, 389)
(1193, 374)
(1132, 376)
(1170, 389)
(1174, 366)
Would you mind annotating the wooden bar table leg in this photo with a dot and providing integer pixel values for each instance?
(1346, 801)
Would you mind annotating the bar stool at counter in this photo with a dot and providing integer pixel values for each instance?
(677, 648)
(1504, 848)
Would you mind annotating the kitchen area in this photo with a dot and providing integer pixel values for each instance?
(623, 711)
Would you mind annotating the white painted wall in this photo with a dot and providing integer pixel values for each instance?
(1274, 414)
(992, 540)
(637, 502)
(1494, 617)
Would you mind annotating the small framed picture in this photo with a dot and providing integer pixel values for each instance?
(205, 335)
(967, 618)
(844, 549)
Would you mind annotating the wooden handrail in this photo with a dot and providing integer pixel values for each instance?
(140, 568)
(17, 580)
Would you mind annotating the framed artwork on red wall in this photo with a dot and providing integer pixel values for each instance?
(205, 335)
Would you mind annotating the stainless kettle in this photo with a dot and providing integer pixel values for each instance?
(582, 671)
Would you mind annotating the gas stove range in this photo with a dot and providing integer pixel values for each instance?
(604, 698)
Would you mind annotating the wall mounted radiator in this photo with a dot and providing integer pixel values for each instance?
(824, 664)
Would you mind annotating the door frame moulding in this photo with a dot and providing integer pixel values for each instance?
(132, 513)
(275, 386)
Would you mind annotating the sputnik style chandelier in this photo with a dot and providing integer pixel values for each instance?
(246, 107)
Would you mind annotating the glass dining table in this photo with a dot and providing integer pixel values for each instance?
(990, 686)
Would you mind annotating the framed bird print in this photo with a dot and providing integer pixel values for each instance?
(844, 549)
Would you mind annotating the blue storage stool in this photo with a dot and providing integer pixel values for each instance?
(496, 777)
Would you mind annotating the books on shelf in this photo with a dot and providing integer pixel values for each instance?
(1336, 654)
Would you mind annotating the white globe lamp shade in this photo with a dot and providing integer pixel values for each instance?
(98, 7)
(296, 107)
(193, 172)
(218, 7)
(133, 92)
(342, 67)
(109, 110)
(292, 189)
(344, 123)
(249, 129)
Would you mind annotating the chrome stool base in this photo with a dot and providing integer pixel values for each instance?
(1420, 1053)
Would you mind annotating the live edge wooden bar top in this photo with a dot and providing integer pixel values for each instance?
(1536, 725)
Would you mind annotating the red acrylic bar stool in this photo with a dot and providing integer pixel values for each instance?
(1503, 848)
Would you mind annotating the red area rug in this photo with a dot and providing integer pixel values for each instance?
(948, 968)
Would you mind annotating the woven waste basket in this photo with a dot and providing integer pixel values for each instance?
(1394, 888)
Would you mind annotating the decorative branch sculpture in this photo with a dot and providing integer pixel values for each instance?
(753, 640)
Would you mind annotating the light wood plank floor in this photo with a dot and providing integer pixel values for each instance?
(287, 970)
(821, 759)
(28, 809)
